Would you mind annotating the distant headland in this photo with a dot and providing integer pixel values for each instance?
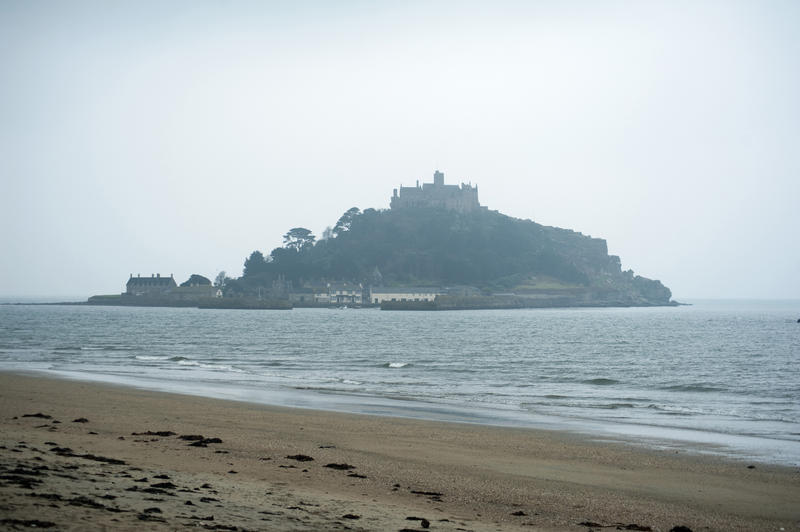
(435, 248)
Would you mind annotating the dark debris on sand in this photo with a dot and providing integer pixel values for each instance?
(618, 526)
(300, 457)
(198, 440)
(27, 523)
(150, 517)
(67, 452)
(424, 523)
(93, 491)
(164, 485)
(340, 467)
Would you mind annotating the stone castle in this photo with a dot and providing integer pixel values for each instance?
(462, 198)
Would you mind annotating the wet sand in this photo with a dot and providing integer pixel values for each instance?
(78, 456)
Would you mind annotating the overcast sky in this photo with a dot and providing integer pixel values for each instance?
(179, 136)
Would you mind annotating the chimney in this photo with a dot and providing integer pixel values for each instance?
(158, 275)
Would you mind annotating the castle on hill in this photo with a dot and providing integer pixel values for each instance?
(462, 198)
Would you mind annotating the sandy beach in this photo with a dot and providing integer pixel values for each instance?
(78, 456)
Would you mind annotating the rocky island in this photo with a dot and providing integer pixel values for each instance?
(435, 248)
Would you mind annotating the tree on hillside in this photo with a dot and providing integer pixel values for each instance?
(254, 264)
(345, 222)
(196, 280)
(219, 280)
(298, 238)
(483, 249)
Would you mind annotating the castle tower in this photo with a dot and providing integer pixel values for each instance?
(438, 178)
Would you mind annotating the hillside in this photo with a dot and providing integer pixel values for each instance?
(481, 251)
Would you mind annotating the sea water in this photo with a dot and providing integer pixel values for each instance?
(719, 377)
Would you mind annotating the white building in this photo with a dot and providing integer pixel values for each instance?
(345, 293)
(411, 293)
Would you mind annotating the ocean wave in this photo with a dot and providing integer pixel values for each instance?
(600, 406)
(396, 364)
(329, 390)
(692, 388)
(615, 406)
(215, 367)
(105, 348)
(150, 357)
(601, 382)
(577, 404)
(672, 411)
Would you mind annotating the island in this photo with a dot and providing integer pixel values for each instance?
(434, 248)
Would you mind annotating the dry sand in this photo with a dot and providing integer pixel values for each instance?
(95, 473)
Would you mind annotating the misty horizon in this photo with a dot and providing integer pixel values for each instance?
(178, 138)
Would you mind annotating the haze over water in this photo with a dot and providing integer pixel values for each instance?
(178, 137)
(714, 377)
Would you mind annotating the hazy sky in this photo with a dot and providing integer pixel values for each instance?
(178, 137)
